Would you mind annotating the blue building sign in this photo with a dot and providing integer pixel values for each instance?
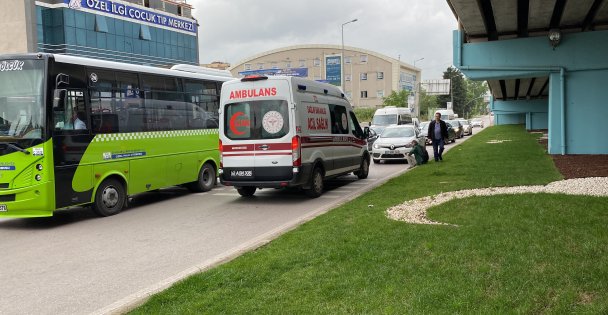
(292, 72)
(132, 12)
(333, 69)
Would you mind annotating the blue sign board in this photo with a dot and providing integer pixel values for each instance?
(133, 12)
(333, 69)
(292, 72)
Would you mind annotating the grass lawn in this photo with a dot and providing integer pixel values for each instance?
(510, 254)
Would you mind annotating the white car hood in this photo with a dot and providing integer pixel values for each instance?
(394, 141)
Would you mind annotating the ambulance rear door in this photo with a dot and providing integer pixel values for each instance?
(258, 127)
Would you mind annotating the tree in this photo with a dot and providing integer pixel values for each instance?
(458, 95)
(428, 104)
(398, 99)
(476, 90)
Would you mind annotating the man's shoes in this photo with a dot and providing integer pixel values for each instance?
(440, 158)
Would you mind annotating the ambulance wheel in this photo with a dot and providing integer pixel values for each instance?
(206, 179)
(363, 169)
(316, 184)
(246, 191)
(110, 198)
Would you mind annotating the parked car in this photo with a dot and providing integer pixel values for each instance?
(451, 133)
(477, 122)
(424, 129)
(395, 142)
(457, 127)
(467, 129)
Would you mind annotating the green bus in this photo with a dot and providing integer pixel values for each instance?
(77, 131)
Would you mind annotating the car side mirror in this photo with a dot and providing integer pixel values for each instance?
(365, 132)
(59, 99)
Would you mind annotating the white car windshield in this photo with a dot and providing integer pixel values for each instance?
(398, 133)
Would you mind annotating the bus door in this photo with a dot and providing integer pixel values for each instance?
(71, 137)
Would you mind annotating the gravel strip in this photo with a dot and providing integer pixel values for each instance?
(414, 211)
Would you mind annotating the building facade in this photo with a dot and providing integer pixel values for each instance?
(368, 76)
(151, 32)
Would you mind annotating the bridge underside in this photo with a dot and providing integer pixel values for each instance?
(554, 85)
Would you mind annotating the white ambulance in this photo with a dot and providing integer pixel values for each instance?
(284, 131)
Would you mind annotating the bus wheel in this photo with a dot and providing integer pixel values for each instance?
(316, 185)
(110, 198)
(363, 169)
(206, 179)
(246, 191)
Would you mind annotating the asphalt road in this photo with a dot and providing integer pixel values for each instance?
(77, 263)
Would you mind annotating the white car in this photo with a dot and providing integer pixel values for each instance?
(477, 122)
(395, 142)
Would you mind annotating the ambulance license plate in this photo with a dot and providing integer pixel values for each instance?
(241, 173)
(3, 208)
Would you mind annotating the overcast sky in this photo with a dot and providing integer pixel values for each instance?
(232, 30)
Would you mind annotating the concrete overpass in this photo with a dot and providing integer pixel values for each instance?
(546, 62)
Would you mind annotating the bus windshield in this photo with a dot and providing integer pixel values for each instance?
(21, 99)
(384, 120)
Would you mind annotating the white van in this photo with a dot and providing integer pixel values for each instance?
(392, 115)
(284, 131)
(446, 114)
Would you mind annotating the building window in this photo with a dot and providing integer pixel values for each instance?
(247, 67)
(347, 60)
(363, 58)
(347, 77)
(363, 94)
(260, 66)
(144, 32)
(363, 76)
(101, 25)
(288, 64)
(380, 76)
(302, 63)
(380, 93)
(317, 62)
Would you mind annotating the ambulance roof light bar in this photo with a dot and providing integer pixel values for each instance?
(254, 77)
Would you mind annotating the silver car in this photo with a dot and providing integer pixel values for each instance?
(477, 122)
(395, 142)
(467, 128)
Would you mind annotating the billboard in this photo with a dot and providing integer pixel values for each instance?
(333, 69)
(292, 72)
(138, 13)
(436, 87)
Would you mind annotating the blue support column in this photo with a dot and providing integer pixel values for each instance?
(577, 71)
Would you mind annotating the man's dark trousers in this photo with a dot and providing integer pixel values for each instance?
(438, 148)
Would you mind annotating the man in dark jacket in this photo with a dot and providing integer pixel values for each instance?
(438, 132)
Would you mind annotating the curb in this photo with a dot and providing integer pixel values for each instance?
(139, 298)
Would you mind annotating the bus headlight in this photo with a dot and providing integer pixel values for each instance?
(39, 167)
(38, 177)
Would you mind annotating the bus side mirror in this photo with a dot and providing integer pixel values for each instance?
(59, 99)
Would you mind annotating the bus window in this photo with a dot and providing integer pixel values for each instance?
(73, 115)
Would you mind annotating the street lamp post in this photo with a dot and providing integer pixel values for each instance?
(417, 61)
(342, 59)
